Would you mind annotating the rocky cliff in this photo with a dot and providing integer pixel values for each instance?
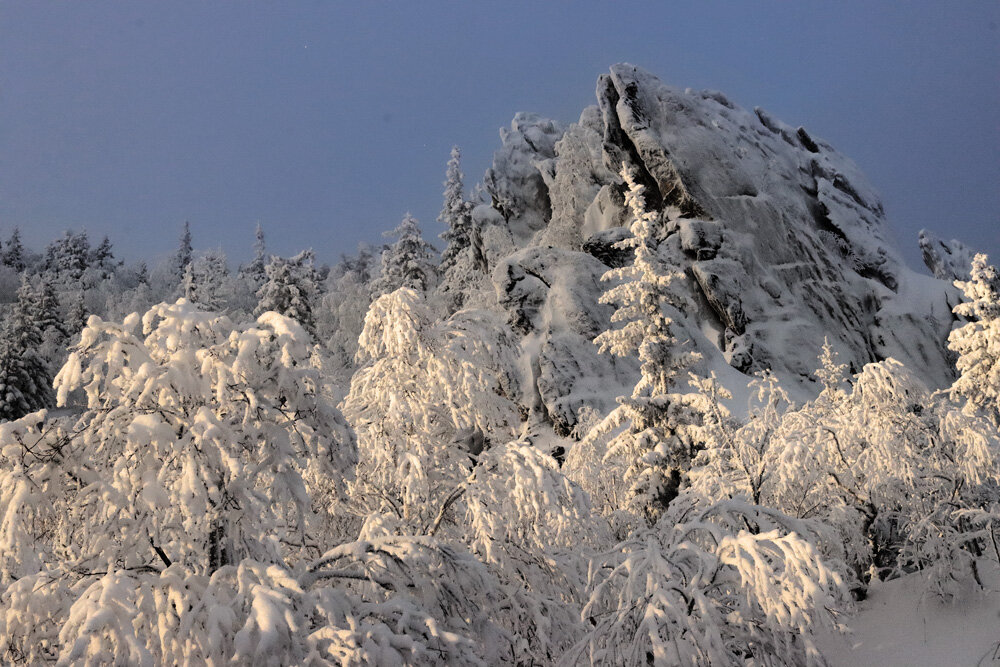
(785, 243)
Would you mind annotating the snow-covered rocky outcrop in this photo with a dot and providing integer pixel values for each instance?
(785, 242)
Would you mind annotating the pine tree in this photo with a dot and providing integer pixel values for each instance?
(290, 288)
(662, 425)
(456, 214)
(408, 262)
(976, 342)
(13, 254)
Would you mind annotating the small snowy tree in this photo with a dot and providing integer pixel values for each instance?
(103, 259)
(184, 254)
(290, 289)
(409, 262)
(655, 431)
(977, 342)
(13, 251)
(255, 272)
(456, 213)
(207, 282)
(419, 387)
(25, 379)
(68, 258)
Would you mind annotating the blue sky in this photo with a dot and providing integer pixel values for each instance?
(327, 121)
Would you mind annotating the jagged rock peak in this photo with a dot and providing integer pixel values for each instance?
(785, 241)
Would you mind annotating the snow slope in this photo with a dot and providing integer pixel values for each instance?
(900, 625)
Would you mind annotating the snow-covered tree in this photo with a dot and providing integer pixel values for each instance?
(13, 251)
(25, 380)
(409, 262)
(889, 474)
(207, 282)
(654, 433)
(102, 259)
(456, 213)
(184, 517)
(68, 257)
(341, 314)
(420, 387)
(290, 288)
(77, 317)
(184, 254)
(728, 585)
(977, 342)
(255, 272)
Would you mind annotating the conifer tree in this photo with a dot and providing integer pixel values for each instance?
(409, 261)
(78, 315)
(103, 258)
(256, 271)
(67, 258)
(13, 253)
(456, 214)
(290, 288)
(661, 426)
(46, 313)
(184, 253)
(206, 281)
(25, 382)
(976, 342)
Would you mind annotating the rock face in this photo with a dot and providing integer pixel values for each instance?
(784, 239)
(947, 260)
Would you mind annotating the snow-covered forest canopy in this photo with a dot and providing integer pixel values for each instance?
(663, 394)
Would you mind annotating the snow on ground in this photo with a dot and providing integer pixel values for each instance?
(900, 624)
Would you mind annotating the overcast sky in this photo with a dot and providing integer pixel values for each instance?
(327, 121)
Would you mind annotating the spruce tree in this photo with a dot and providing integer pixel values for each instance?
(46, 310)
(103, 258)
(255, 273)
(456, 214)
(67, 258)
(25, 382)
(409, 261)
(184, 252)
(76, 320)
(290, 288)
(13, 253)
(662, 431)
(976, 342)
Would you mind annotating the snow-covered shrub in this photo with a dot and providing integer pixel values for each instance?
(721, 585)
(422, 387)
